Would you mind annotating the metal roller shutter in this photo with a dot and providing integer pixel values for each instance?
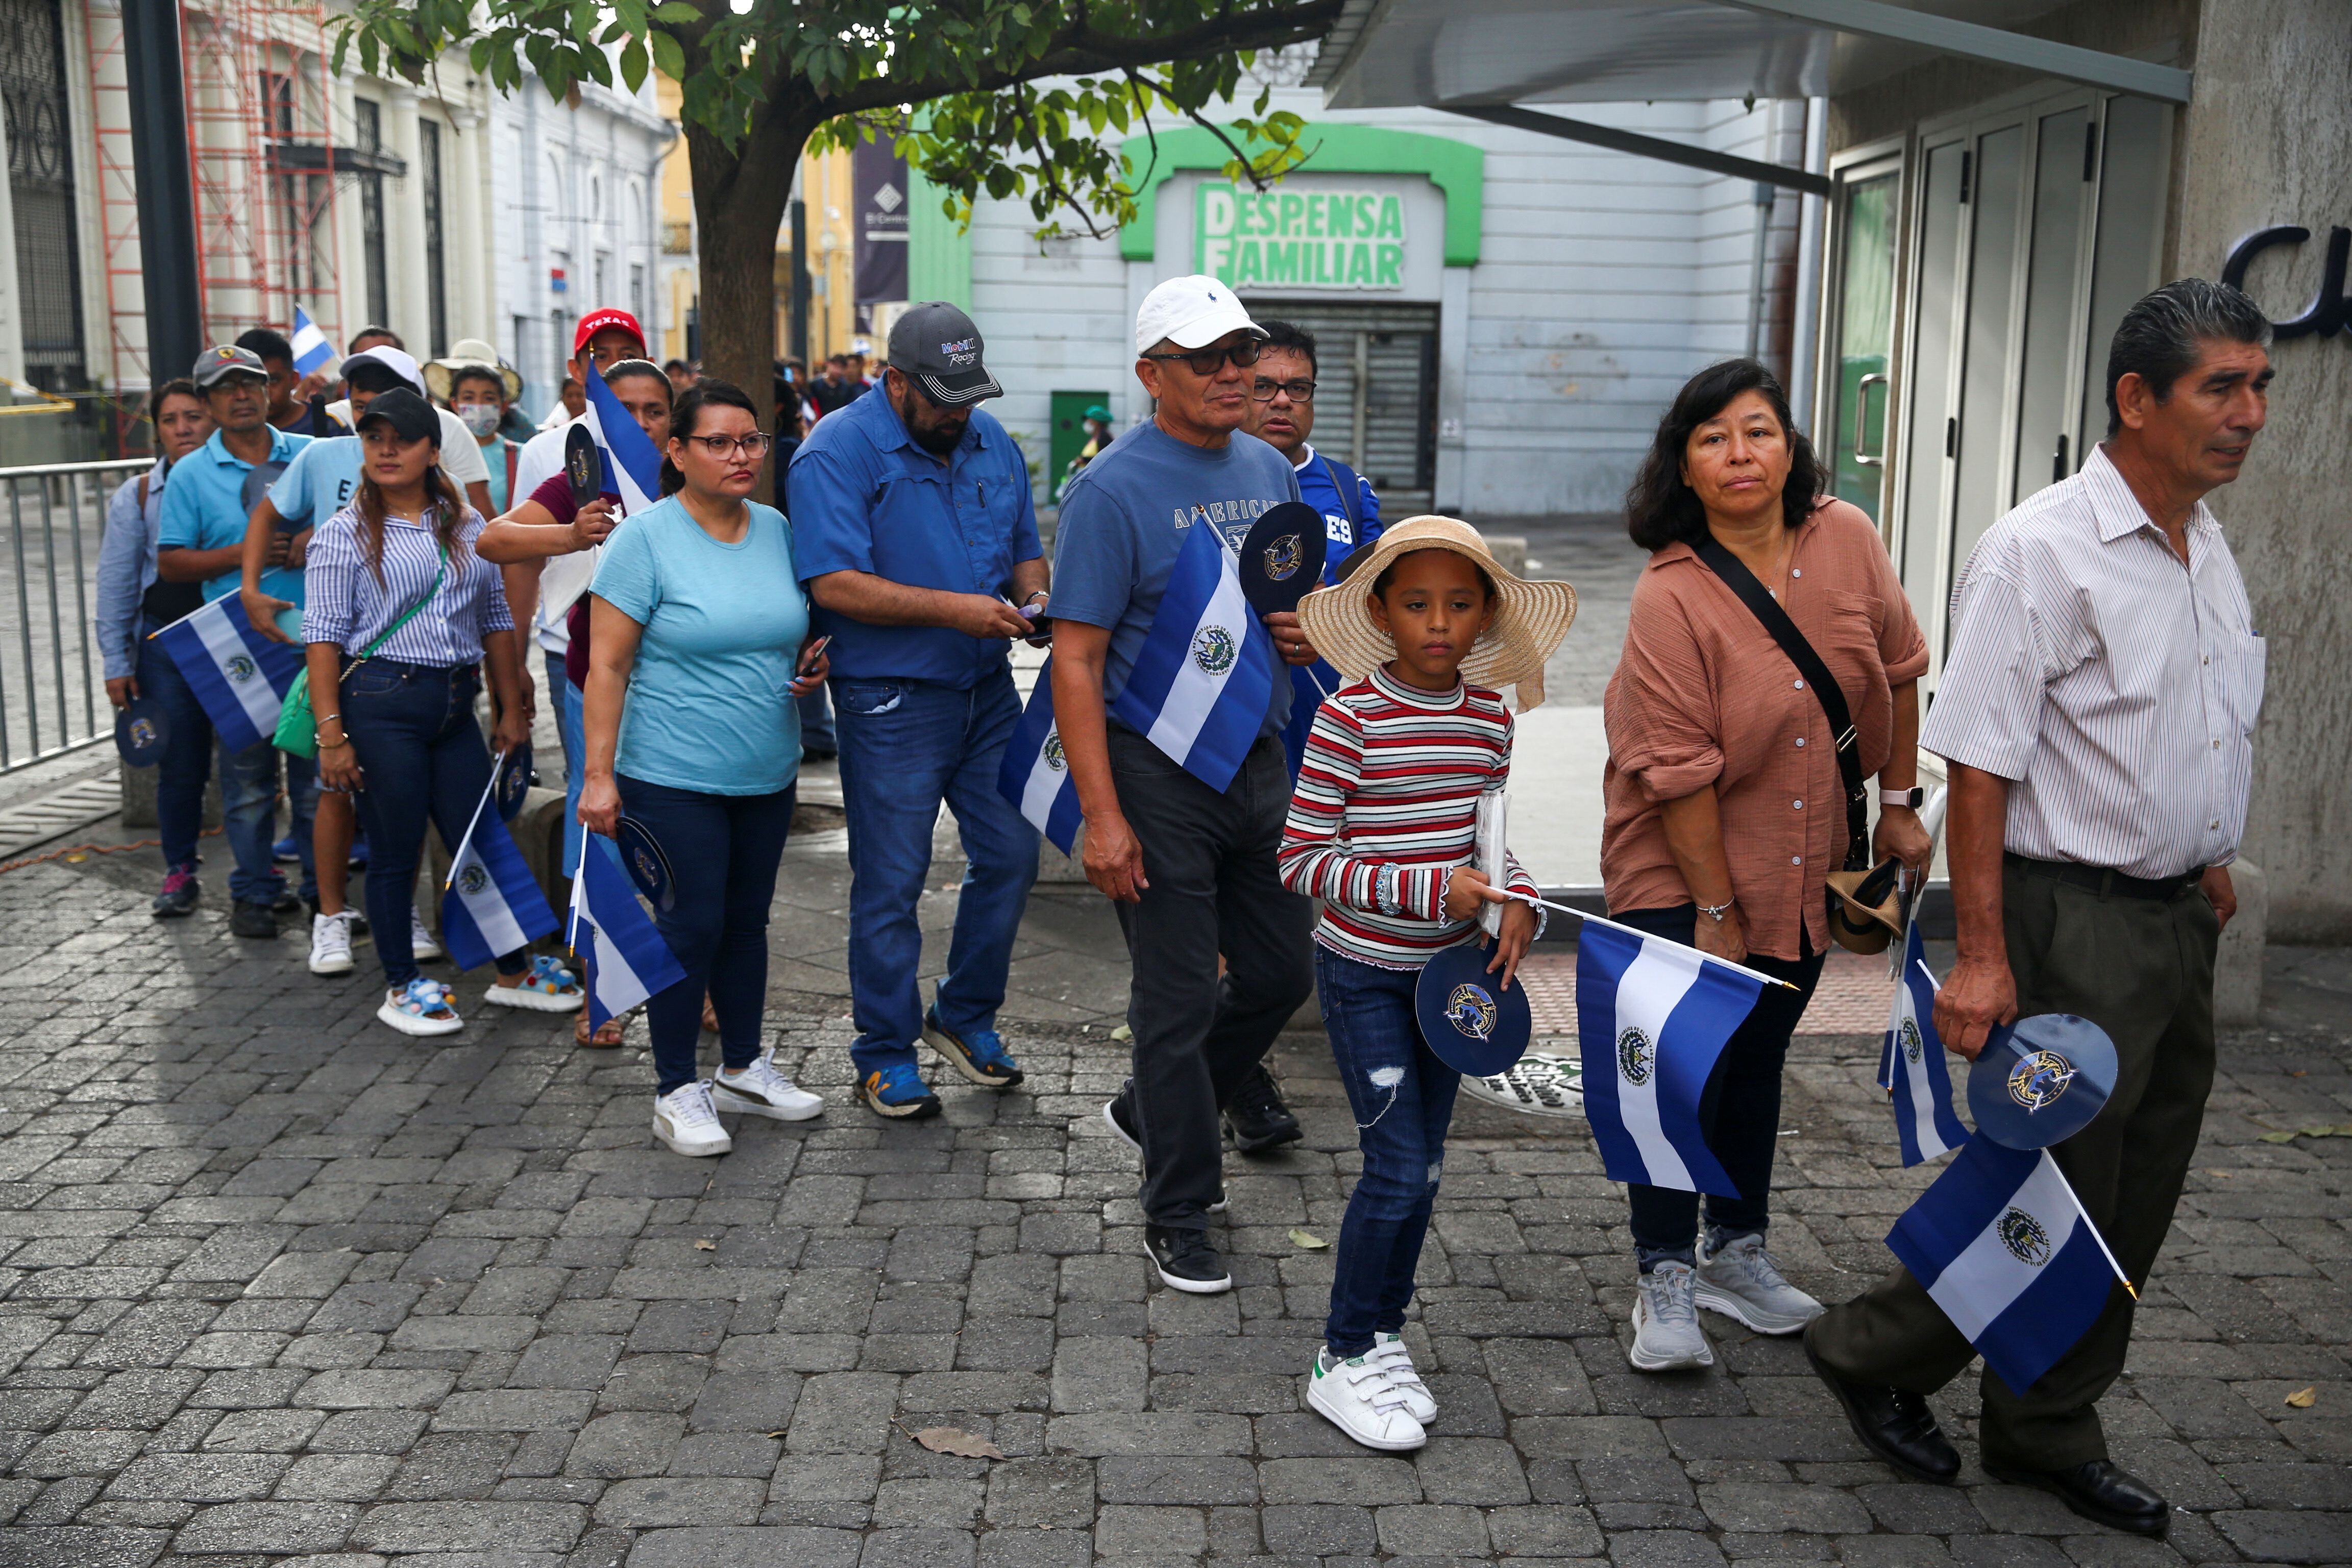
(1375, 392)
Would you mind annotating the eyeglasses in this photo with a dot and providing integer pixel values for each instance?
(1205, 361)
(1299, 391)
(755, 445)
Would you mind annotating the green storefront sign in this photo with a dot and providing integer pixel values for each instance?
(1325, 237)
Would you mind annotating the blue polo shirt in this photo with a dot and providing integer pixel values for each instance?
(864, 497)
(203, 508)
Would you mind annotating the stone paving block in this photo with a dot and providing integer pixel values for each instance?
(751, 1402)
(2275, 1535)
(928, 1502)
(1431, 1530)
(370, 1432)
(1325, 1530)
(726, 1454)
(267, 1527)
(1092, 1375)
(1037, 1549)
(199, 1478)
(1759, 1509)
(826, 1478)
(1662, 1549)
(771, 1547)
(513, 1410)
(1471, 1470)
(842, 1412)
(1150, 1532)
(1361, 1482)
(71, 1546)
(401, 1527)
(336, 1477)
(373, 1389)
(1040, 1494)
(678, 1501)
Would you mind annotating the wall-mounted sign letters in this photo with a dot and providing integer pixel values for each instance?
(2328, 312)
(1319, 238)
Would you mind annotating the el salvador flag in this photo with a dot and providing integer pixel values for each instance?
(626, 957)
(1654, 1016)
(1911, 1066)
(311, 349)
(492, 904)
(632, 466)
(1036, 777)
(2001, 1244)
(1205, 671)
(240, 675)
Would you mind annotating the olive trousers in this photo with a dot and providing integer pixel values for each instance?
(2142, 969)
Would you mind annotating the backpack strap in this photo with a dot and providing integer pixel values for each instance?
(1351, 495)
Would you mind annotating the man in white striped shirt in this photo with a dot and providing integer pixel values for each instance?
(2097, 709)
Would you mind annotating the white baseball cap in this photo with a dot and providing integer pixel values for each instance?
(398, 360)
(1191, 312)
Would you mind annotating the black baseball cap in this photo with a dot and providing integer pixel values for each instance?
(938, 345)
(411, 417)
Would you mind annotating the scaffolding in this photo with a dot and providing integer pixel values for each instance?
(261, 115)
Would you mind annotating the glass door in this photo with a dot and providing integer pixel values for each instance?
(1868, 226)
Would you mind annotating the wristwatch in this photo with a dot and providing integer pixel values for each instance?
(1911, 797)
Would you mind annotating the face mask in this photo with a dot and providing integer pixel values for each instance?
(481, 419)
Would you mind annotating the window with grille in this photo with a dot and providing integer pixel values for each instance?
(41, 191)
(367, 118)
(437, 279)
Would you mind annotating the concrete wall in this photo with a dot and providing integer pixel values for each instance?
(2268, 141)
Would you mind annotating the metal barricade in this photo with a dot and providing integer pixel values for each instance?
(52, 672)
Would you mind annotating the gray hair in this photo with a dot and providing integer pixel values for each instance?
(2160, 338)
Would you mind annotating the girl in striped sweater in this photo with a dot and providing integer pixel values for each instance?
(1383, 829)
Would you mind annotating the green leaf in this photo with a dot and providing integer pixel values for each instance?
(1308, 1240)
(633, 64)
(2274, 1137)
(669, 55)
(675, 11)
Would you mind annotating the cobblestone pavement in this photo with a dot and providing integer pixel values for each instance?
(275, 1283)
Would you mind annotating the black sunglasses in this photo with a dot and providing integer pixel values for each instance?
(1205, 361)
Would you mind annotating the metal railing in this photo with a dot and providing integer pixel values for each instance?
(52, 672)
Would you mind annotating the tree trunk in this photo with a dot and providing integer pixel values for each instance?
(738, 203)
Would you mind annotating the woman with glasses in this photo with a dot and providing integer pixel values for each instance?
(698, 631)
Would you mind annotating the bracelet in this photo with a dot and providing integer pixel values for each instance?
(1716, 911)
(1040, 593)
(326, 745)
(326, 718)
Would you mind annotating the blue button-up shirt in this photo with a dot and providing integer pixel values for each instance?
(203, 508)
(864, 497)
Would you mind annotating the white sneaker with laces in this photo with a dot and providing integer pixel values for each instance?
(1391, 1352)
(330, 943)
(1667, 1335)
(760, 1089)
(422, 944)
(1743, 1282)
(1357, 1396)
(686, 1120)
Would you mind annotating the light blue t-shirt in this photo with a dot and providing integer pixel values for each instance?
(708, 708)
(203, 508)
(319, 483)
(1123, 521)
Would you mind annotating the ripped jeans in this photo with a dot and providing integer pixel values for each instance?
(1403, 1099)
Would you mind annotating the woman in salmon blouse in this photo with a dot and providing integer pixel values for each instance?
(1725, 810)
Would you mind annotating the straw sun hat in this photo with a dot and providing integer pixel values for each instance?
(463, 354)
(1531, 616)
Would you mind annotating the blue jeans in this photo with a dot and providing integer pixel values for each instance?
(722, 851)
(906, 746)
(187, 760)
(249, 810)
(570, 727)
(421, 756)
(1403, 1097)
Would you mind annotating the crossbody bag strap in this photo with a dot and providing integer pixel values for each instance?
(385, 636)
(1826, 690)
(1351, 497)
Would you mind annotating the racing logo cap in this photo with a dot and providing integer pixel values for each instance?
(938, 345)
(217, 363)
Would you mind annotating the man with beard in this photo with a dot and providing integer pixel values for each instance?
(914, 530)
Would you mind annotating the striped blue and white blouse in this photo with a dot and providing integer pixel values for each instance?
(348, 606)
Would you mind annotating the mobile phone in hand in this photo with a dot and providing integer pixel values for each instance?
(810, 653)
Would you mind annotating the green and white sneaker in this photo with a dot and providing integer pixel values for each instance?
(1391, 1352)
(1360, 1397)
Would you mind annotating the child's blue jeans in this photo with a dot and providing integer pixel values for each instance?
(1403, 1101)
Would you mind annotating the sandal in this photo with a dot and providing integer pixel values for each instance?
(420, 1007)
(603, 1039)
(545, 987)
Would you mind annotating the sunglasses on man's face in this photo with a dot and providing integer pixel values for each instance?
(1205, 361)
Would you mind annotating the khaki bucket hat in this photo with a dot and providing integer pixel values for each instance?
(1531, 615)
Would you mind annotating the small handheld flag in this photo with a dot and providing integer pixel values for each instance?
(240, 675)
(311, 349)
(1911, 1066)
(1202, 678)
(1035, 776)
(1653, 1016)
(632, 466)
(626, 957)
(491, 904)
(2005, 1248)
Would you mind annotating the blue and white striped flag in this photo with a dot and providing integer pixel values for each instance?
(1654, 1016)
(626, 957)
(240, 675)
(632, 465)
(1205, 671)
(1911, 1066)
(491, 904)
(1036, 777)
(2006, 1251)
(311, 349)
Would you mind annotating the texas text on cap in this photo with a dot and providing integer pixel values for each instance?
(227, 359)
(399, 362)
(596, 322)
(411, 417)
(1191, 312)
(937, 344)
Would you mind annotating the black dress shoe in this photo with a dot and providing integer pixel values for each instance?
(2099, 1490)
(1894, 1424)
(1256, 1117)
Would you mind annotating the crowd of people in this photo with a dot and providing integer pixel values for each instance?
(2095, 718)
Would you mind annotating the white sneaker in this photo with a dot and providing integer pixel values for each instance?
(686, 1120)
(420, 1007)
(330, 943)
(545, 987)
(1389, 1351)
(1357, 1396)
(760, 1089)
(1743, 1282)
(1667, 1335)
(422, 944)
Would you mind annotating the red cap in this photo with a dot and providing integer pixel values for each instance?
(595, 322)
